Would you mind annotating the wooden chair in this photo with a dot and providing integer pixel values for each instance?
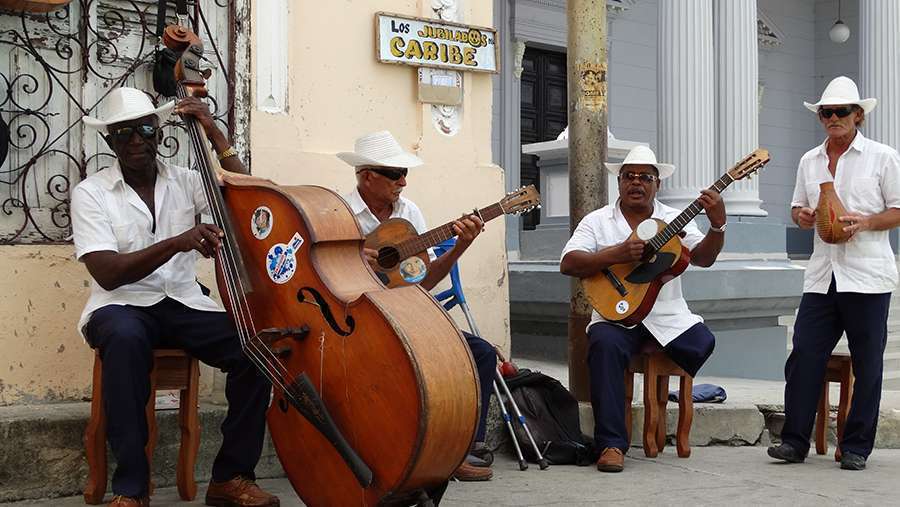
(172, 369)
(839, 369)
(656, 367)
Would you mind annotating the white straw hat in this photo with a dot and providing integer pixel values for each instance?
(379, 149)
(641, 154)
(842, 90)
(123, 104)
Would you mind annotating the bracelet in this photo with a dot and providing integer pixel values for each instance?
(230, 152)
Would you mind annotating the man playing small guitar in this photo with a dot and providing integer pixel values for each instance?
(603, 239)
(381, 167)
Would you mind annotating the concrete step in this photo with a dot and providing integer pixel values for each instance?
(890, 381)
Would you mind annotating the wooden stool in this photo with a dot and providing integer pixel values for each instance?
(172, 369)
(657, 367)
(840, 369)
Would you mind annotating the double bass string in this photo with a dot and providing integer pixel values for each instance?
(263, 356)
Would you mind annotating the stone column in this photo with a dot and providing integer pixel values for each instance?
(685, 98)
(879, 66)
(737, 114)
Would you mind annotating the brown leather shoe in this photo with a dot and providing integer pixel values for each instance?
(239, 492)
(468, 472)
(611, 460)
(127, 501)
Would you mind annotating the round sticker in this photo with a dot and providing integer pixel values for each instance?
(261, 222)
(647, 229)
(621, 307)
(413, 270)
(281, 261)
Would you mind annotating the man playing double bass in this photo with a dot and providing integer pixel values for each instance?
(381, 166)
(602, 239)
(135, 229)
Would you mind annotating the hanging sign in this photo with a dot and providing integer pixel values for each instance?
(424, 42)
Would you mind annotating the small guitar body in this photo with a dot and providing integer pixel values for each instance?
(403, 252)
(631, 298)
(392, 270)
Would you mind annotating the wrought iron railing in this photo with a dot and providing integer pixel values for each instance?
(57, 67)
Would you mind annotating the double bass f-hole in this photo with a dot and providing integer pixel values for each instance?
(320, 302)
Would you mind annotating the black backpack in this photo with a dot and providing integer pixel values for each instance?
(551, 413)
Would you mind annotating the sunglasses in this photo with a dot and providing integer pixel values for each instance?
(391, 174)
(643, 177)
(123, 134)
(841, 112)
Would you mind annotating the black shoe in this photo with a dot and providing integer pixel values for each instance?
(483, 453)
(850, 461)
(475, 461)
(786, 452)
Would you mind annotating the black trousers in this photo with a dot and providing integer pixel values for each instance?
(610, 348)
(126, 337)
(821, 320)
(486, 363)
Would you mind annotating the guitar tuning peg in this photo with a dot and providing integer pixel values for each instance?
(538, 206)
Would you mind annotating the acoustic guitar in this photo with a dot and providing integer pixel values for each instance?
(403, 252)
(625, 293)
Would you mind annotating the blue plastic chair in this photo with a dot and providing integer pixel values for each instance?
(454, 295)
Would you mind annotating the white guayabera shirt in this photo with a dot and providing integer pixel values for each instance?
(607, 227)
(867, 181)
(107, 214)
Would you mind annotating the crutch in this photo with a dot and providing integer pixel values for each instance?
(512, 402)
(542, 462)
(455, 296)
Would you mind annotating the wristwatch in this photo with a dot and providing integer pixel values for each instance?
(718, 229)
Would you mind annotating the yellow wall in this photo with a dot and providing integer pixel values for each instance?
(42, 357)
(339, 91)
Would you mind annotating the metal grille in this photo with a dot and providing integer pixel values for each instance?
(57, 67)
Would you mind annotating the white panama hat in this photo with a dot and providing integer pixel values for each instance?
(123, 104)
(641, 154)
(379, 149)
(842, 90)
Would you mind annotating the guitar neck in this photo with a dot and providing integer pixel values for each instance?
(675, 226)
(426, 240)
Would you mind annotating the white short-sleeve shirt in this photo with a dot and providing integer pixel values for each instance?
(107, 214)
(607, 227)
(403, 208)
(867, 181)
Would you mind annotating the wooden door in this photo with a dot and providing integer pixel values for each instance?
(543, 110)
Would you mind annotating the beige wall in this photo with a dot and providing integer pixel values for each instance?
(42, 357)
(339, 91)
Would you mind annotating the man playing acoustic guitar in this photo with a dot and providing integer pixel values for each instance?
(381, 166)
(601, 240)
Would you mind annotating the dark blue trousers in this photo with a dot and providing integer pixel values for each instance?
(610, 348)
(486, 362)
(821, 320)
(126, 337)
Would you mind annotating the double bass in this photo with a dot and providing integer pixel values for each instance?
(375, 392)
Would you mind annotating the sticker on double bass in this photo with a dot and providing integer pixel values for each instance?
(261, 222)
(281, 261)
(413, 270)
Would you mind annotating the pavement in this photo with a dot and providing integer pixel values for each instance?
(711, 476)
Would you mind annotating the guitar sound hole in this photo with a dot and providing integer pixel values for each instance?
(388, 257)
